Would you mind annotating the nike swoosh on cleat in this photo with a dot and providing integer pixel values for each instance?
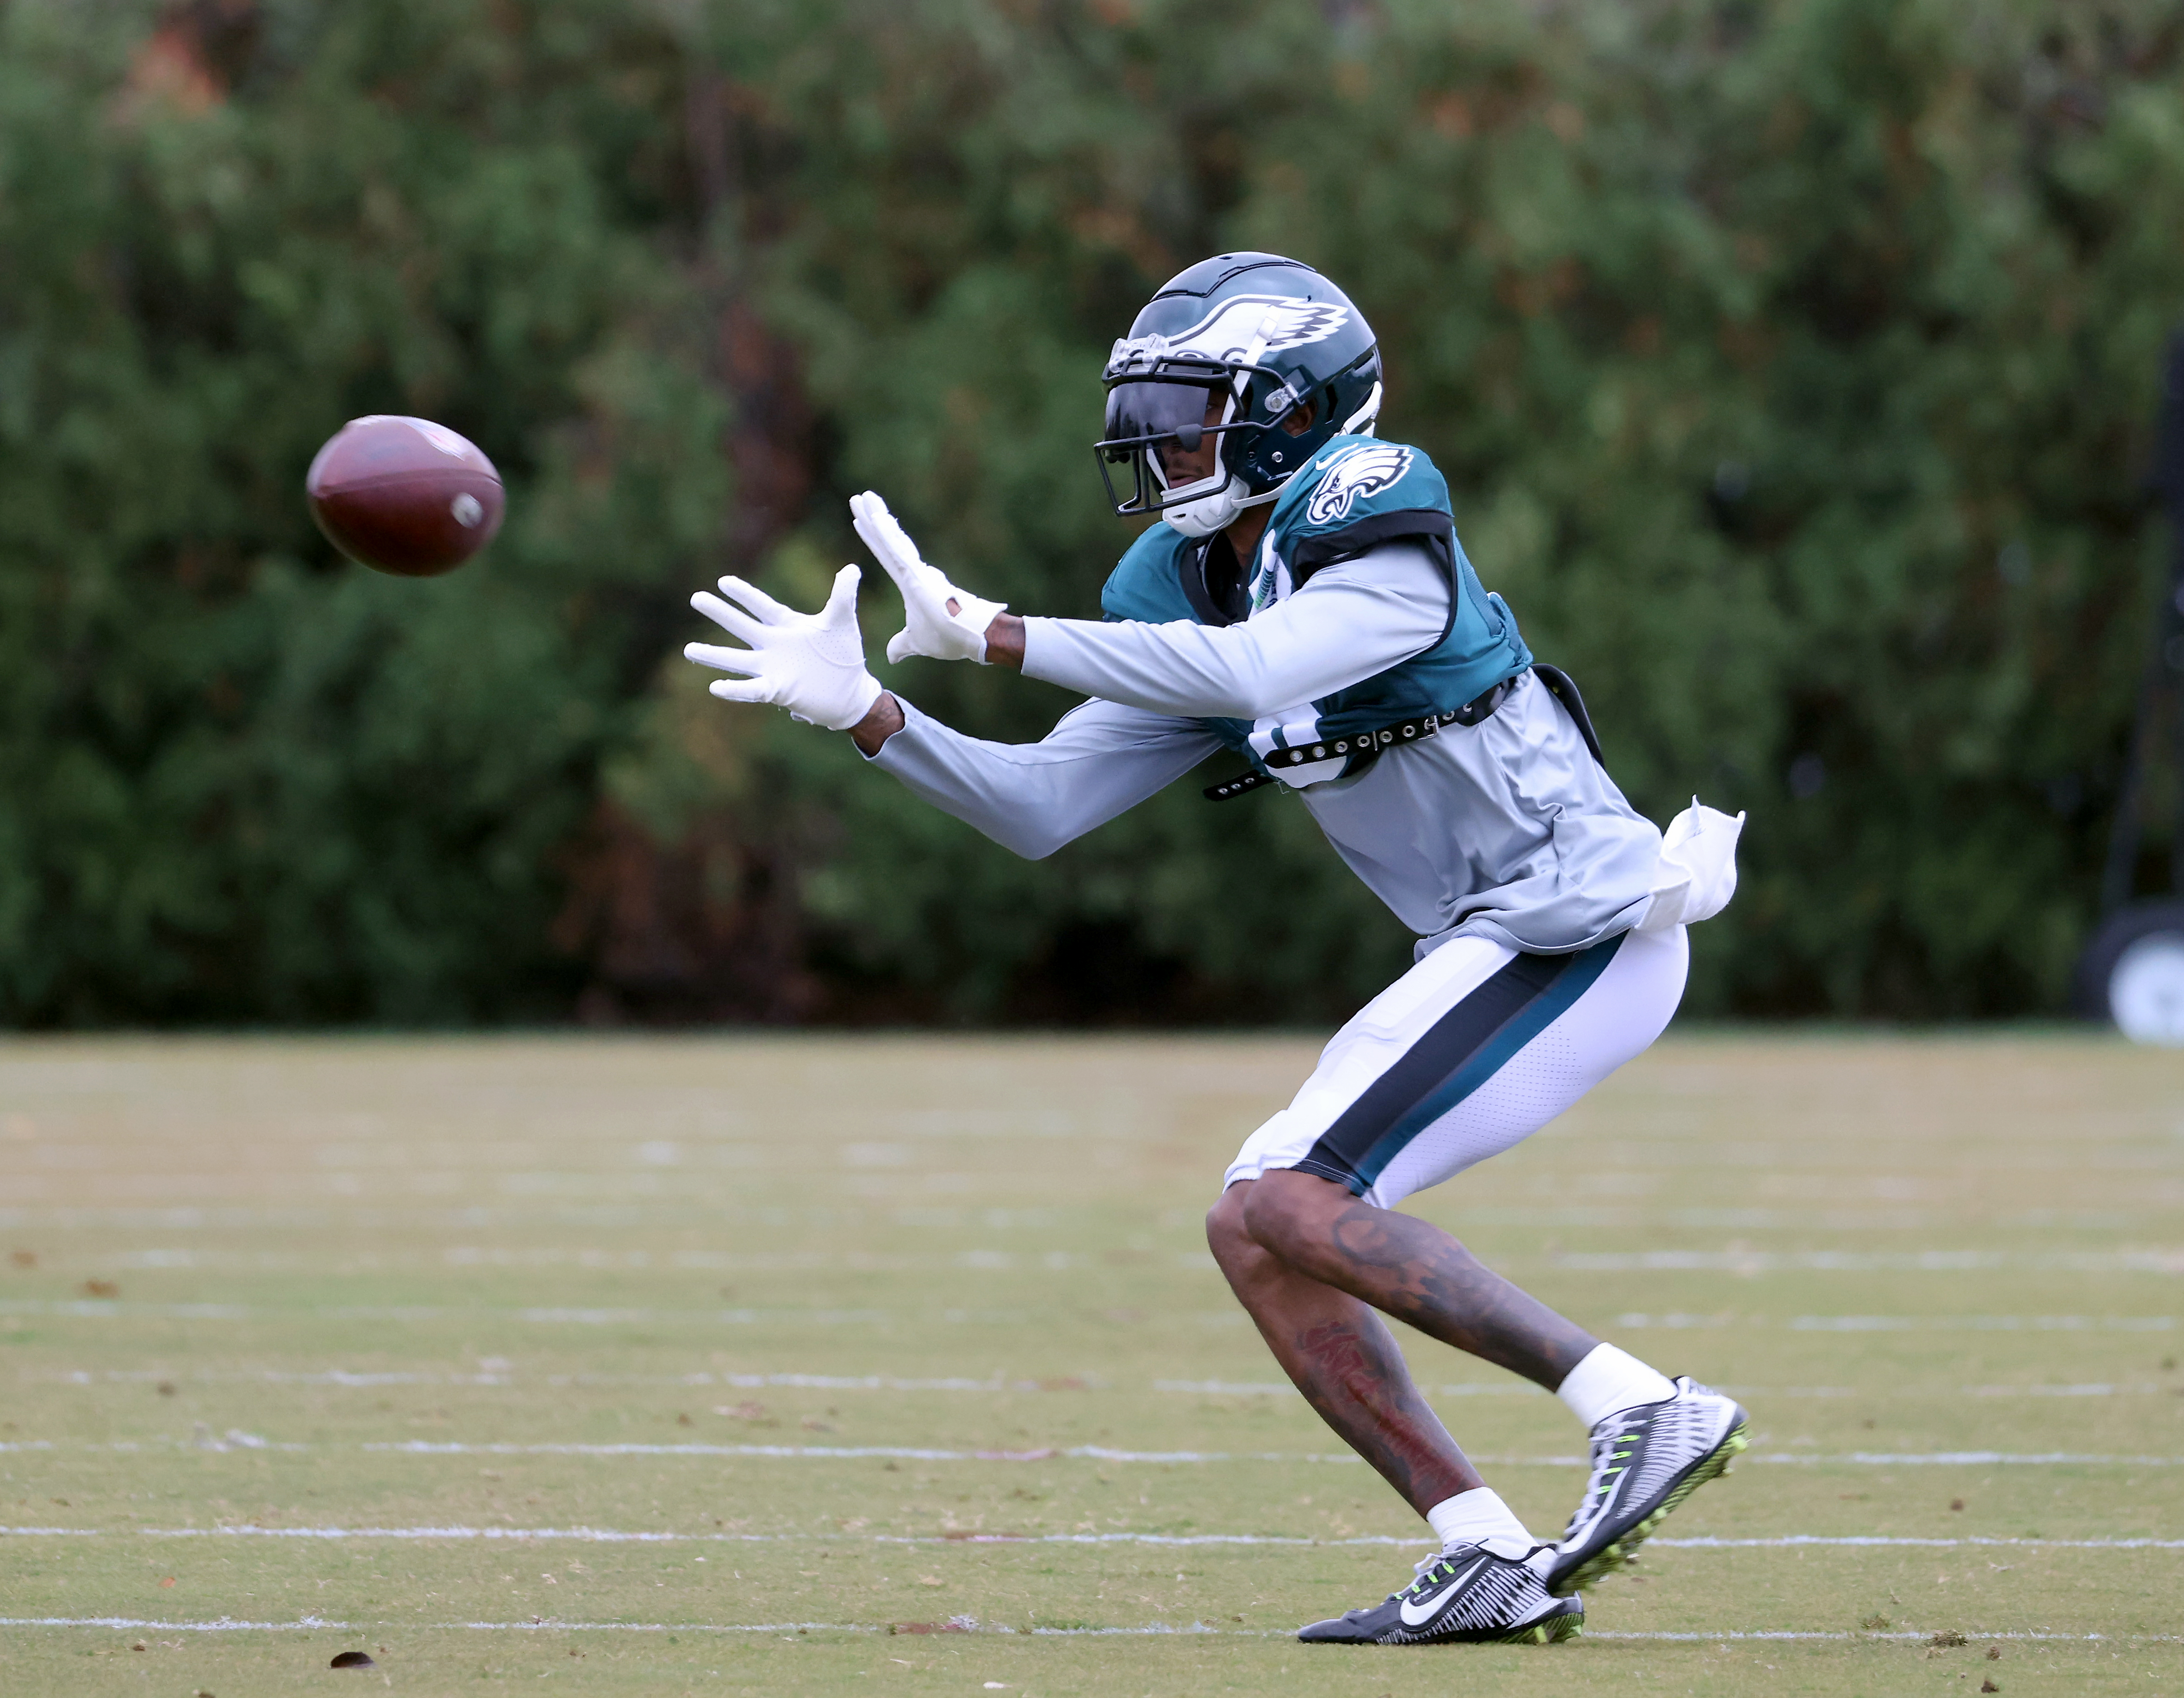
(1418, 1615)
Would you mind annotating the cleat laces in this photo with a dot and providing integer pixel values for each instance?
(1611, 1455)
(1428, 1570)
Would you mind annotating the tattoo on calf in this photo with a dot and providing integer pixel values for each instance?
(1356, 1382)
(1338, 1354)
(1421, 1275)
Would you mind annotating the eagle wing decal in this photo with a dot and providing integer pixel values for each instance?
(1228, 332)
(1364, 471)
(1292, 324)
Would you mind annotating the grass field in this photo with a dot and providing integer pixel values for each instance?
(898, 1366)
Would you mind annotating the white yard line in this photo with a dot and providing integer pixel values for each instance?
(1803, 1540)
(1258, 1387)
(1916, 1636)
(1101, 1453)
(237, 1440)
(738, 1382)
(352, 1380)
(224, 1625)
(1095, 1453)
(1965, 1459)
(965, 1625)
(118, 1309)
(2170, 1261)
(1516, 1388)
(542, 1624)
(1976, 1323)
(603, 1536)
(108, 1309)
(2141, 1389)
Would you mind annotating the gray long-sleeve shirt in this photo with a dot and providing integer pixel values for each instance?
(1508, 830)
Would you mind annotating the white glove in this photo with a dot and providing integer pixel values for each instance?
(1697, 874)
(928, 626)
(812, 663)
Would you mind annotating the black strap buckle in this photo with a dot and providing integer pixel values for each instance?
(1366, 746)
(1241, 785)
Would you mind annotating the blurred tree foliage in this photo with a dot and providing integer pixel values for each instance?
(1792, 362)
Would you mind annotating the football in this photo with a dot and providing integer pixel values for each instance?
(405, 496)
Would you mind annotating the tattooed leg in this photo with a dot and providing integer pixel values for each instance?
(1342, 1357)
(1414, 1272)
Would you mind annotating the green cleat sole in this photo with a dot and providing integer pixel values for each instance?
(1570, 1624)
(1551, 1632)
(1623, 1549)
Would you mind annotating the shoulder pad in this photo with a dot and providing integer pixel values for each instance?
(1354, 478)
(1145, 585)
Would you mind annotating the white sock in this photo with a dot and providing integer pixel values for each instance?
(1609, 1379)
(1478, 1516)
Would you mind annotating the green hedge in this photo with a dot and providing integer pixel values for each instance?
(1791, 364)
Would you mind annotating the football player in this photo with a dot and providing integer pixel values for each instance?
(1303, 602)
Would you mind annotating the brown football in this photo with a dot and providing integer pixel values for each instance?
(405, 496)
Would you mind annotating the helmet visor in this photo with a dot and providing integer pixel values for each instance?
(1170, 428)
(1146, 412)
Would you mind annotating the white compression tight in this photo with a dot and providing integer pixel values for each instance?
(1472, 1051)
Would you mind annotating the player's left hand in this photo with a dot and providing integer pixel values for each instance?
(939, 619)
(812, 663)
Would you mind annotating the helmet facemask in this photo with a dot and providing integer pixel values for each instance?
(1176, 423)
(1169, 408)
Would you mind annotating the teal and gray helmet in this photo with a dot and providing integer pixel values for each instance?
(1231, 348)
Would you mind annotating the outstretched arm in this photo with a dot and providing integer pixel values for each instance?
(1033, 798)
(1030, 798)
(1350, 621)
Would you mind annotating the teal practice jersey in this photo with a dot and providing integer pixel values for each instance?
(1358, 493)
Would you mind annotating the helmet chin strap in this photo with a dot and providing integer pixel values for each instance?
(1216, 511)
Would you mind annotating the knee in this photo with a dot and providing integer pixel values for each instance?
(1287, 1213)
(1227, 1236)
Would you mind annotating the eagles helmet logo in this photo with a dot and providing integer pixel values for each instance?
(1229, 331)
(1364, 471)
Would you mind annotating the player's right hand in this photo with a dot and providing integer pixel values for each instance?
(812, 663)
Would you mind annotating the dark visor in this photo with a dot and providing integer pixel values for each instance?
(1137, 411)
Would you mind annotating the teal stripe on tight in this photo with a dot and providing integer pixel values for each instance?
(1580, 977)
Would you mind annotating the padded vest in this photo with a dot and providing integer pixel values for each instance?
(1357, 493)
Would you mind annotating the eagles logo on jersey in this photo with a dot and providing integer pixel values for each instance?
(1231, 349)
(1360, 471)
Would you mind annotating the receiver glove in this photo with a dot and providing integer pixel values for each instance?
(928, 626)
(1697, 874)
(812, 663)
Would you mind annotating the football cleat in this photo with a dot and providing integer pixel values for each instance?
(1645, 1462)
(1464, 1595)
